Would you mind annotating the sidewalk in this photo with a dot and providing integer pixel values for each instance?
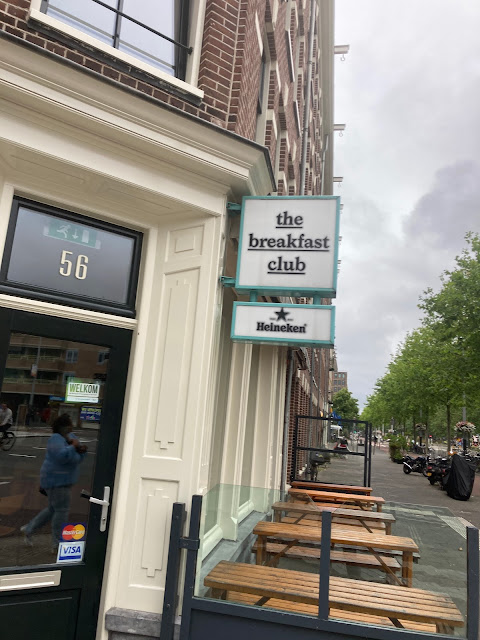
(389, 481)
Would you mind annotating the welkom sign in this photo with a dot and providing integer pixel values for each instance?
(289, 246)
(287, 324)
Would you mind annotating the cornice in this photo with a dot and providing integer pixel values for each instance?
(63, 96)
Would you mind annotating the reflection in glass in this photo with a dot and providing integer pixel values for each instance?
(145, 45)
(58, 475)
(35, 380)
(87, 16)
(123, 34)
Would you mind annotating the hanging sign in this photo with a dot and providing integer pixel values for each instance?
(289, 245)
(288, 324)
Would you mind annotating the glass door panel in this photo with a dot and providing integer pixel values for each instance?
(46, 379)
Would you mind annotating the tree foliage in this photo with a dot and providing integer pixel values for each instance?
(345, 405)
(436, 370)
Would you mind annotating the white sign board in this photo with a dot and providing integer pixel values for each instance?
(82, 390)
(289, 245)
(289, 324)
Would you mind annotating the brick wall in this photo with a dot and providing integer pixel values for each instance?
(229, 74)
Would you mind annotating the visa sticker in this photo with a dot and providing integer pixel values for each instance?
(70, 551)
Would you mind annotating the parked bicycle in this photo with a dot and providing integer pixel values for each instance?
(7, 442)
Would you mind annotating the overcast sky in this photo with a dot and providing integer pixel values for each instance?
(409, 94)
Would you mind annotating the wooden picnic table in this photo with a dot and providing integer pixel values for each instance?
(367, 519)
(295, 533)
(364, 502)
(326, 486)
(365, 598)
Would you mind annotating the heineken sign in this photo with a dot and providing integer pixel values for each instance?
(289, 246)
(288, 324)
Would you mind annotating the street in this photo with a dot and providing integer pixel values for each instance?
(389, 481)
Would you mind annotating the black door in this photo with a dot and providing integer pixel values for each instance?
(51, 574)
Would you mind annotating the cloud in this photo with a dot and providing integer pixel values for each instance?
(409, 93)
(443, 216)
(383, 275)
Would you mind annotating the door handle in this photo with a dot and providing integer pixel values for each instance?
(105, 503)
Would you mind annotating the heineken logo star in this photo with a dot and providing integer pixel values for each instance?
(282, 314)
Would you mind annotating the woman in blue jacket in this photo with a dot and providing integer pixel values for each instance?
(58, 473)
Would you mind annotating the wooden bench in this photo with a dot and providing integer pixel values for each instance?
(275, 550)
(339, 498)
(296, 533)
(396, 603)
(367, 519)
(310, 610)
(326, 486)
(309, 520)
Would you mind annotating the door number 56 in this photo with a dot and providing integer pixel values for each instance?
(67, 265)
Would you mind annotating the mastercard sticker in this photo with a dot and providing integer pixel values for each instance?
(73, 531)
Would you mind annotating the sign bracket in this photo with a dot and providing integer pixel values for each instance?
(234, 209)
(227, 282)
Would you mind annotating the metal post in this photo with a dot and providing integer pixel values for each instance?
(324, 586)
(286, 425)
(293, 472)
(473, 579)
(310, 409)
(365, 460)
(173, 572)
(191, 565)
(369, 479)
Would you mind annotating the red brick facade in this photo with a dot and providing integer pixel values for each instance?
(229, 75)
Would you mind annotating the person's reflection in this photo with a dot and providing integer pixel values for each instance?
(58, 473)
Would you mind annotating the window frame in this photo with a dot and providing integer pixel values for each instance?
(125, 62)
(29, 290)
(71, 356)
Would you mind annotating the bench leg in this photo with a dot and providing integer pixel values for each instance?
(444, 628)
(388, 528)
(261, 549)
(407, 568)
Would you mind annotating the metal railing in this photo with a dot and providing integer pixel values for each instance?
(182, 48)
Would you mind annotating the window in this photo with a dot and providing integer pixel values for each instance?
(71, 355)
(150, 31)
(102, 357)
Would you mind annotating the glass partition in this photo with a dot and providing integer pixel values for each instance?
(408, 561)
(327, 451)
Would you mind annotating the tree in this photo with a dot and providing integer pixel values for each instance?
(437, 367)
(452, 314)
(345, 405)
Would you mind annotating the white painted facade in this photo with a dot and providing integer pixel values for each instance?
(198, 409)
